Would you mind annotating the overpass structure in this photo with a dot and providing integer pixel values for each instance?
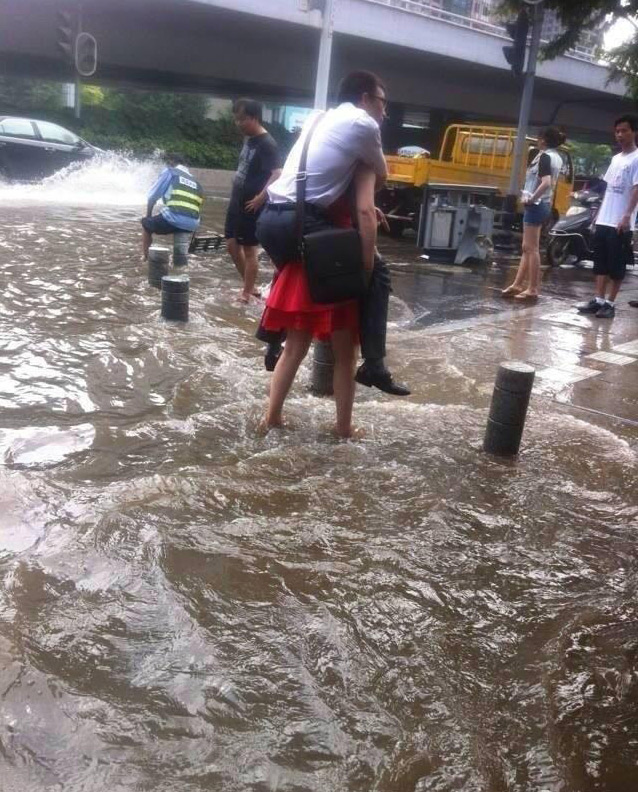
(429, 59)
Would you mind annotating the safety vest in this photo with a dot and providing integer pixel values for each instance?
(184, 195)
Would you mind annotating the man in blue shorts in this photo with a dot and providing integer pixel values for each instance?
(183, 198)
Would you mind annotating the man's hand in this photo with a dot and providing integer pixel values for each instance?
(625, 224)
(256, 203)
(381, 220)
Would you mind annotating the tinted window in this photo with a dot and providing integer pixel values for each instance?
(56, 134)
(17, 127)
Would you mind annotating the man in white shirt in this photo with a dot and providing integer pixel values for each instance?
(613, 236)
(348, 136)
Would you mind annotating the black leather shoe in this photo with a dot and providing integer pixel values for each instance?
(381, 379)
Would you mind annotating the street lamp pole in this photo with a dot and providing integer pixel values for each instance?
(325, 55)
(526, 104)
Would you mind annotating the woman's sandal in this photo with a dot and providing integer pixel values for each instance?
(526, 297)
(511, 291)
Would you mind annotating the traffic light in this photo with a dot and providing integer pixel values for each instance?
(515, 52)
(86, 55)
(66, 33)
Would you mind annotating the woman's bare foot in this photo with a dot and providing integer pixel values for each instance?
(353, 433)
(266, 424)
(511, 291)
(526, 295)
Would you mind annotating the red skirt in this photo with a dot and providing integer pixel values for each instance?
(290, 307)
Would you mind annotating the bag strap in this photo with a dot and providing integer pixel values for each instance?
(301, 178)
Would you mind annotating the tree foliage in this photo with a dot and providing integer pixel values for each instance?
(135, 121)
(580, 16)
(590, 159)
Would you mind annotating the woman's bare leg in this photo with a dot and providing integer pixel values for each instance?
(518, 284)
(295, 350)
(344, 348)
(531, 248)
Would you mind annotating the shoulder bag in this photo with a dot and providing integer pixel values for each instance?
(332, 257)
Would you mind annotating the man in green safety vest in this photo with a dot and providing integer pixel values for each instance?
(183, 198)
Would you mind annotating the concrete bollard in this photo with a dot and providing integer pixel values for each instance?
(158, 258)
(322, 369)
(181, 243)
(512, 390)
(175, 291)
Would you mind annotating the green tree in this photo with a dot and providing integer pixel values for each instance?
(579, 16)
(590, 159)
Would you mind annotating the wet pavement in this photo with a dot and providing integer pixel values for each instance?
(590, 364)
(187, 605)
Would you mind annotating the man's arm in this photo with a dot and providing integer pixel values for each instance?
(625, 220)
(364, 181)
(157, 191)
(370, 150)
(258, 201)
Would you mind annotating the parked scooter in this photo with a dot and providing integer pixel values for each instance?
(570, 239)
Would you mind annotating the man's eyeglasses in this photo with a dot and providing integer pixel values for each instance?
(382, 99)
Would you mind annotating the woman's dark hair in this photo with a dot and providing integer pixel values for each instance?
(352, 87)
(553, 137)
(249, 107)
(630, 119)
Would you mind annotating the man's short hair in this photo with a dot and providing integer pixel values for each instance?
(628, 118)
(249, 107)
(174, 158)
(357, 83)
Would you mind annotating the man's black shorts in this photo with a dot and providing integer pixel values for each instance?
(158, 224)
(612, 252)
(241, 226)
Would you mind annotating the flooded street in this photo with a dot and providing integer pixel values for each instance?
(186, 605)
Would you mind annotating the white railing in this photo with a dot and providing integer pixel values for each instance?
(493, 28)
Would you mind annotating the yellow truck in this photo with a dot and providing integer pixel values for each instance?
(472, 155)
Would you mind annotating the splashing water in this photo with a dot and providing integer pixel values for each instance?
(109, 179)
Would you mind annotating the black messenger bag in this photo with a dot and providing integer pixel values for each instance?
(332, 257)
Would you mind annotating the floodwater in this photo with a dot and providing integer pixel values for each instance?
(188, 605)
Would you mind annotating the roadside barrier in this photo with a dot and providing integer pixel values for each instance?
(510, 400)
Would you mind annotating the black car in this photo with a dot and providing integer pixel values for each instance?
(31, 149)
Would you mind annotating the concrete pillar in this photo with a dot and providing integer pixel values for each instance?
(508, 410)
(181, 243)
(322, 369)
(158, 259)
(175, 292)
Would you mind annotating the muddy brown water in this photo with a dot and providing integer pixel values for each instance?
(187, 605)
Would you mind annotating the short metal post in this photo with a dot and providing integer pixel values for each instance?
(508, 410)
(175, 291)
(158, 259)
(181, 243)
(322, 369)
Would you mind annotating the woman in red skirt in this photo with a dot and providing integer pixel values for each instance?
(290, 308)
